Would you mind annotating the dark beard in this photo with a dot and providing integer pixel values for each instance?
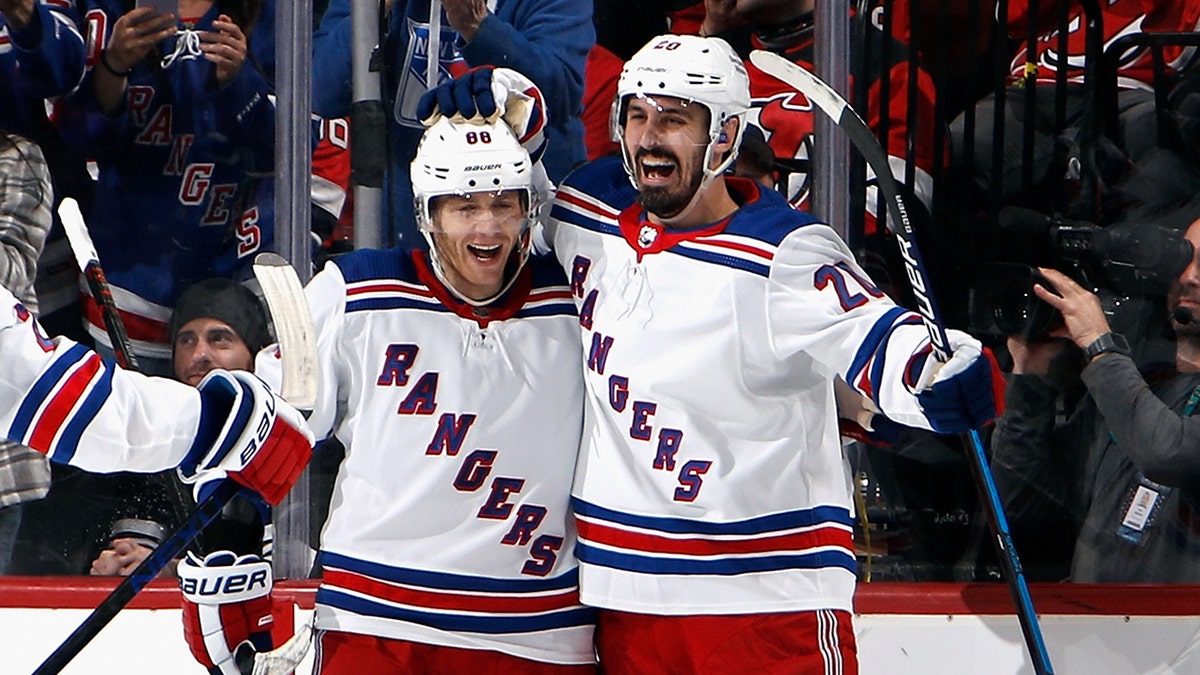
(665, 203)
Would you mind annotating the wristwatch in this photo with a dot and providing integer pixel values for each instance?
(1108, 342)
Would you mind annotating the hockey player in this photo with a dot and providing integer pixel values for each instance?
(452, 377)
(711, 497)
(64, 400)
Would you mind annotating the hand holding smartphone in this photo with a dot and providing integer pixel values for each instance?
(160, 6)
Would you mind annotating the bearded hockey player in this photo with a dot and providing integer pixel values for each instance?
(712, 499)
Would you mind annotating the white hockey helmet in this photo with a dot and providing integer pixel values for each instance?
(465, 157)
(703, 70)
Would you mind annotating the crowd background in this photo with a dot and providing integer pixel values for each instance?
(971, 101)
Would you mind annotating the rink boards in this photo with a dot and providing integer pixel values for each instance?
(902, 628)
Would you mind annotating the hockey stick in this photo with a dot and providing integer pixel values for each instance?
(293, 328)
(836, 107)
(89, 265)
(299, 366)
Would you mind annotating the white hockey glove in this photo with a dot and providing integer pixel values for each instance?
(228, 612)
(963, 393)
(489, 92)
(253, 437)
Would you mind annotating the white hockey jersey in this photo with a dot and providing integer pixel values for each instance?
(450, 520)
(64, 400)
(711, 478)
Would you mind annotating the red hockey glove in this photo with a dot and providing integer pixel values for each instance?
(227, 610)
(252, 436)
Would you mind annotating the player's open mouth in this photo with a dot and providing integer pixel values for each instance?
(484, 253)
(657, 169)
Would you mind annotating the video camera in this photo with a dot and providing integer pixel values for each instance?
(1115, 262)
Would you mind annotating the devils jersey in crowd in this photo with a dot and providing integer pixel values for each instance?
(711, 477)
(787, 117)
(184, 190)
(449, 522)
(1135, 69)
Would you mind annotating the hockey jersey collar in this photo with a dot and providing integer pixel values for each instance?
(503, 308)
(644, 236)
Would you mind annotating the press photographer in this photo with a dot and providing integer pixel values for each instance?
(1120, 262)
(1120, 477)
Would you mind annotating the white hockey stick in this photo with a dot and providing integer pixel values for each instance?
(297, 345)
(89, 265)
(293, 329)
(839, 110)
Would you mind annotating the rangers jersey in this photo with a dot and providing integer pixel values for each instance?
(711, 478)
(184, 189)
(63, 400)
(450, 519)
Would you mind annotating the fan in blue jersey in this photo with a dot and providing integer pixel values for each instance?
(41, 56)
(712, 499)
(181, 125)
(427, 41)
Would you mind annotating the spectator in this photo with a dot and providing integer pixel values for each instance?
(41, 59)
(755, 160)
(786, 28)
(1121, 471)
(684, 526)
(547, 40)
(182, 129)
(41, 56)
(1034, 71)
(218, 323)
(25, 198)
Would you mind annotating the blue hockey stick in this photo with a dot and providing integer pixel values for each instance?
(205, 512)
(836, 107)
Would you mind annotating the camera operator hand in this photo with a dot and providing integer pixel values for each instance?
(1082, 322)
(1083, 318)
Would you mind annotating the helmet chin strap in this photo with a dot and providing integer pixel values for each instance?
(435, 261)
(709, 176)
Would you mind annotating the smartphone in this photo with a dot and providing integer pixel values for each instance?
(161, 6)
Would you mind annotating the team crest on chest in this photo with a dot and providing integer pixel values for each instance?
(647, 236)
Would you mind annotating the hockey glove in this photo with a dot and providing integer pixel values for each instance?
(965, 392)
(463, 97)
(488, 92)
(253, 437)
(227, 610)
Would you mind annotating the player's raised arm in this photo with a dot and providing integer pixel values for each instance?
(64, 400)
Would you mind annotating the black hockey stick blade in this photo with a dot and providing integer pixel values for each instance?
(205, 512)
(839, 110)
